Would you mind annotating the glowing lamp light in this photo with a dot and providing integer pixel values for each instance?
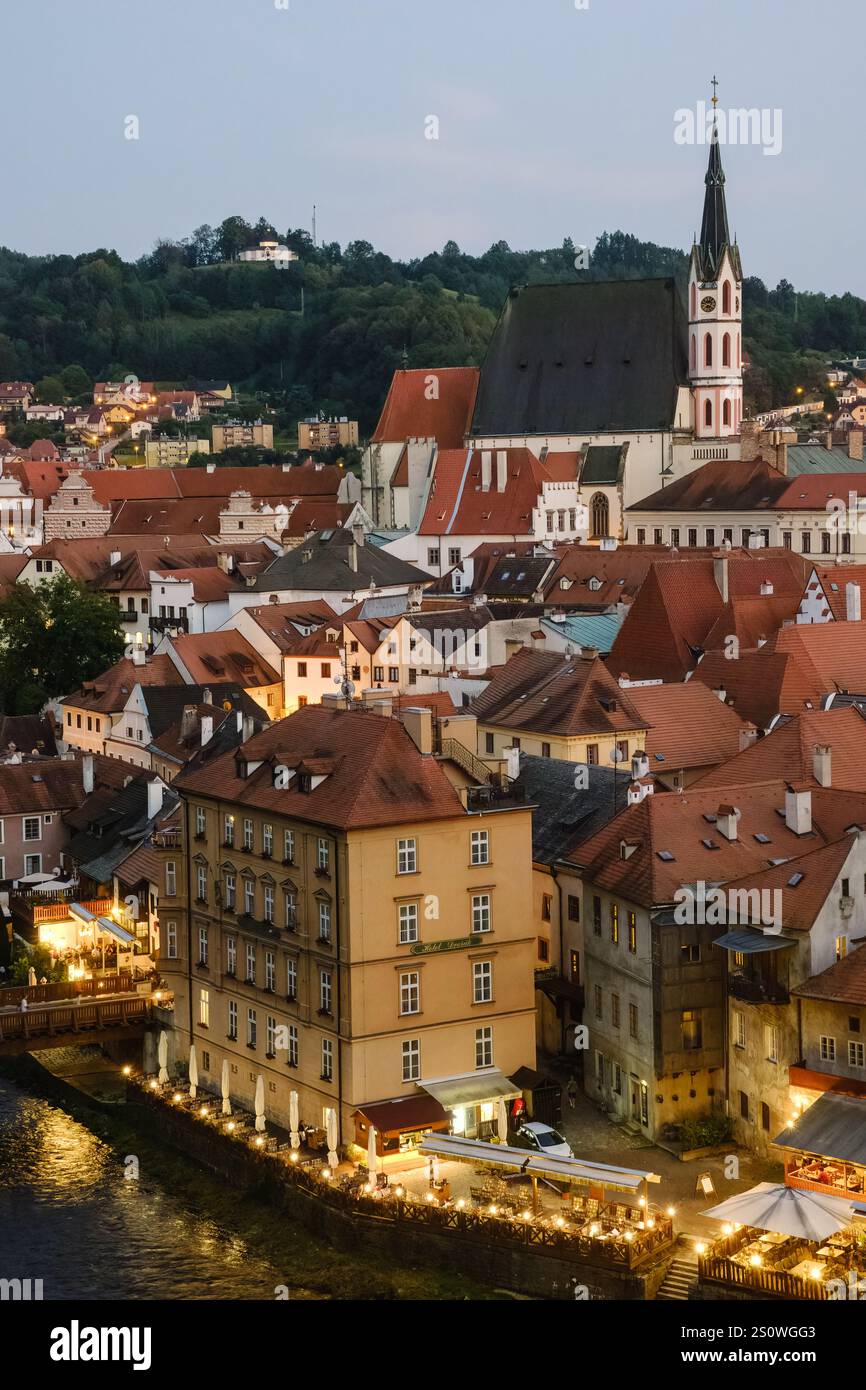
(629, 1236)
(126, 1071)
(204, 1111)
(560, 1223)
(428, 1197)
(293, 1158)
(672, 1211)
(231, 1126)
(398, 1191)
(816, 1271)
(642, 1202)
(727, 1229)
(461, 1203)
(154, 1085)
(527, 1216)
(593, 1230)
(700, 1248)
(326, 1174)
(259, 1142)
(492, 1211)
(755, 1261)
(177, 1097)
(651, 1223)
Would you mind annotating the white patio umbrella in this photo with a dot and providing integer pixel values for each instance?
(331, 1132)
(502, 1122)
(225, 1087)
(434, 1169)
(294, 1135)
(31, 976)
(162, 1057)
(260, 1103)
(372, 1156)
(789, 1211)
(193, 1073)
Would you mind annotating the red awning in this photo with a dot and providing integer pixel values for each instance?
(389, 1117)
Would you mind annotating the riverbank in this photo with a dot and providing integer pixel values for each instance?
(178, 1231)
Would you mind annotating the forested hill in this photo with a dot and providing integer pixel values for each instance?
(190, 311)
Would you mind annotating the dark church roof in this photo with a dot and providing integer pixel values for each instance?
(715, 236)
(579, 359)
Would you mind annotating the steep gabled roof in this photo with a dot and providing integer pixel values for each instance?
(413, 411)
(546, 692)
(688, 726)
(789, 751)
(457, 506)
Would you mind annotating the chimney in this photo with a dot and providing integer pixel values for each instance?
(501, 470)
(115, 556)
(639, 766)
(419, 726)
(822, 765)
(206, 729)
(828, 439)
(720, 574)
(486, 469)
(855, 444)
(210, 468)
(353, 557)
(727, 818)
(853, 608)
(154, 798)
(224, 560)
(750, 441)
(332, 699)
(87, 773)
(188, 722)
(139, 656)
(383, 707)
(798, 810)
(747, 738)
(766, 589)
(358, 534)
(248, 727)
(239, 721)
(207, 696)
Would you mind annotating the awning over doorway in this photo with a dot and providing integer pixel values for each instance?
(119, 933)
(473, 1088)
(404, 1115)
(750, 943)
(834, 1127)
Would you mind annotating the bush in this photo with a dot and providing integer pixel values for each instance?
(705, 1132)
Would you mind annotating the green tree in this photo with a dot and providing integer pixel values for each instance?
(51, 390)
(52, 639)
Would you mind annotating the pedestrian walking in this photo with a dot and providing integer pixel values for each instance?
(571, 1092)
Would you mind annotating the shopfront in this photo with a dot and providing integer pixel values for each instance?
(472, 1101)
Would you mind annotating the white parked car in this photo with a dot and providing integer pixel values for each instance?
(546, 1140)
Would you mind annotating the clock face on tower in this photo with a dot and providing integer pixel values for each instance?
(708, 304)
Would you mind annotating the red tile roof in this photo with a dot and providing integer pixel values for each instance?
(688, 726)
(408, 413)
(109, 692)
(842, 983)
(456, 506)
(832, 583)
(546, 692)
(817, 871)
(789, 751)
(224, 656)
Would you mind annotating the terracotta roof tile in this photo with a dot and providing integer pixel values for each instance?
(688, 726)
(546, 692)
(408, 413)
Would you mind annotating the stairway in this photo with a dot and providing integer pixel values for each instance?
(678, 1280)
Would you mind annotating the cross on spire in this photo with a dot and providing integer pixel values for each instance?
(715, 87)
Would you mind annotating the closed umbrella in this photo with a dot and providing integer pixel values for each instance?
(434, 1169)
(502, 1123)
(331, 1132)
(294, 1135)
(31, 976)
(260, 1104)
(372, 1156)
(162, 1057)
(789, 1211)
(193, 1073)
(227, 1105)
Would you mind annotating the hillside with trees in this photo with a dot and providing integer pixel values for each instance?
(326, 332)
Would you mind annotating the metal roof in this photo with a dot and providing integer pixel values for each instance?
(834, 1127)
(457, 1149)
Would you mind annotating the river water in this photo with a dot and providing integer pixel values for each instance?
(70, 1217)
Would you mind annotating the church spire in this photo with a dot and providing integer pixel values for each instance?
(714, 226)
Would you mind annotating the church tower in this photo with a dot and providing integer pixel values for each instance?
(715, 311)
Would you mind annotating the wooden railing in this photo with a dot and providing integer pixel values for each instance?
(58, 912)
(779, 1283)
(66, 989)
(74, 1018)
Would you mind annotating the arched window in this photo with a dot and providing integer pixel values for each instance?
(600, 515)
(708, 414)
(726, 350)
(694, 353)
(708, 350)
(726, 297)
(726, 413)
(694, 300)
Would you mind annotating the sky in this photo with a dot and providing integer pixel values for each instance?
(555, 118)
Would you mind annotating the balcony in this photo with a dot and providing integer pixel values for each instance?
(757, 989)
(173, 626)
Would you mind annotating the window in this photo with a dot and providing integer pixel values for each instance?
(248, 834)
(692, 536)
(290, 910)
(825, 543)
(856, 1054)
(765, 1116)
(327, 1059)
(171, 940)
(410, 992)
(325, 992)
(599, 1002)
(228, 831)
(592, 754)
(599, 510)
(32, 828)
(726, 298)
(614, 924)
(771, 1042)
(291, 979)
(454, 556)
(690, 1023)
(641, 535)
(202, 945)
(480, 912)
(828, 1048)
(708, 351)
(806, 542)
(199, 821)
(233, 1021)
(690, 953)
(379, 674)
(658, 536)
(739, 1029)
(744, 1106)
(231, 955)
(407, 916)
(433, 555)
(32, 864)
(546, 907)
(482, 982)
(302, 669)
(841, 947)
(480, 847)
(632, 933)
(270, 1036)
(708, 414)
(710, 535)
(251, 1027)
(545, 750)
(268, 903)
(289, 847)
(201, 883)
(483, 1048)
(393, 674)
(267, 840)
(411, 1059)
(596, 916)
(250, 896)
(324, 921)
(323, 855)
(543, 949)
(204, 1008)
(407, 856)
(171, 879)
(488, 743)
(573, 908)
(575, 967)
(270, 972)
(294, 1050)
(614, 1010)
(726, 358)
(632, 1021)
(251, 963)
(326, 670)
(230, 892)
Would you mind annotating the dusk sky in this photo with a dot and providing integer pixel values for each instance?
(554, 122)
